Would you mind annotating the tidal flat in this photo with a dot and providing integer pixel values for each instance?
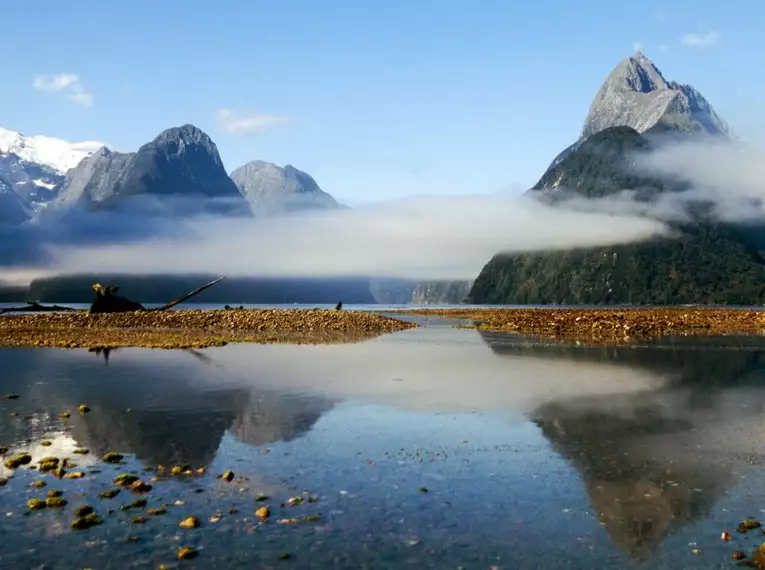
(430, 447)
(192, 328)
(607, 326)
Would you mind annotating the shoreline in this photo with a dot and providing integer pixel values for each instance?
(607, 326)
(193, 328)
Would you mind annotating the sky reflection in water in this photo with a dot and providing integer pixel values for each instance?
(533, 455)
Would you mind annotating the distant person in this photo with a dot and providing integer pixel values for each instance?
(339, 305)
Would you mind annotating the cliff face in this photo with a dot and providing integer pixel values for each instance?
(441, 292)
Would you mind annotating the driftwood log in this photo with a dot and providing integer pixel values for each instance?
(106, 300)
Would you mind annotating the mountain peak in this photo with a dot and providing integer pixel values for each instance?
(636, 94)
(273, 190)
(188, 133)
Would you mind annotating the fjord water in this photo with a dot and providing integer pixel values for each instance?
(434, 447)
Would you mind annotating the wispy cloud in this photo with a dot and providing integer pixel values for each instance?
(701, 40)
(67, 84)
(428, 237)
(247, 123)
(637, 46)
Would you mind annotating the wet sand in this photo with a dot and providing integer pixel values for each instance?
(193, 328)
(608, 326)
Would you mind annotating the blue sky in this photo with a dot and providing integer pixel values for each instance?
(375, 99)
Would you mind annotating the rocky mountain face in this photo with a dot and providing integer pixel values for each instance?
(272, 190)
(705, 261)
(31, 167)
(179, 172)
(637, 95)
(441, 292)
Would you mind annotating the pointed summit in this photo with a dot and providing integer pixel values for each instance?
(637, 95)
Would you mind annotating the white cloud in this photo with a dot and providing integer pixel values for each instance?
(637, 46)
(247, 123)
(66, 83)
(701, 40)
(444, 237)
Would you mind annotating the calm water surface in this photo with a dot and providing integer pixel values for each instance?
(533, 455)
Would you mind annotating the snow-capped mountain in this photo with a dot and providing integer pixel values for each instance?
(56, 154)
(31, 167)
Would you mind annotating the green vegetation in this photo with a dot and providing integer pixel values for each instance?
(704, 262)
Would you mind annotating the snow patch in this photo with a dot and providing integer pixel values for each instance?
(58, 154)
(43, 184)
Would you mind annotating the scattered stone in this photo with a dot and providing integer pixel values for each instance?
(738, 555)
(137, 504)
(423, 489)
(16, 461)
(180, 470)
(139, 520)
(109, 493)
(46, 443)
(54, 493)
(190, 522)
(3, 481)
(36, 504)
(133, 539)
(38, 484)
(125, 479)
(86, 521)
(83, 510)
(55, 502)
(11, 397)
(747, 525)
(263, 512)
(81, 451)
(725, 536)
(3, 450)
(60, 472)
(227, 476)
(262, 498)
(113, 457)
(140, 487)
(157, 511)
(48, 464)
(312, 518)
(65, 415)
(83, 409)
(187, 553)
(284, 556)
(74, 475)
(296, 500)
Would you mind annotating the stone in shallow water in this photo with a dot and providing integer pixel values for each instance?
(87, 521)
(187, 552)
(190, 522)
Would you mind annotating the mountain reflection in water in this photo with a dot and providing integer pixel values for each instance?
(532, 452)
(657, 460)
(171, 413)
